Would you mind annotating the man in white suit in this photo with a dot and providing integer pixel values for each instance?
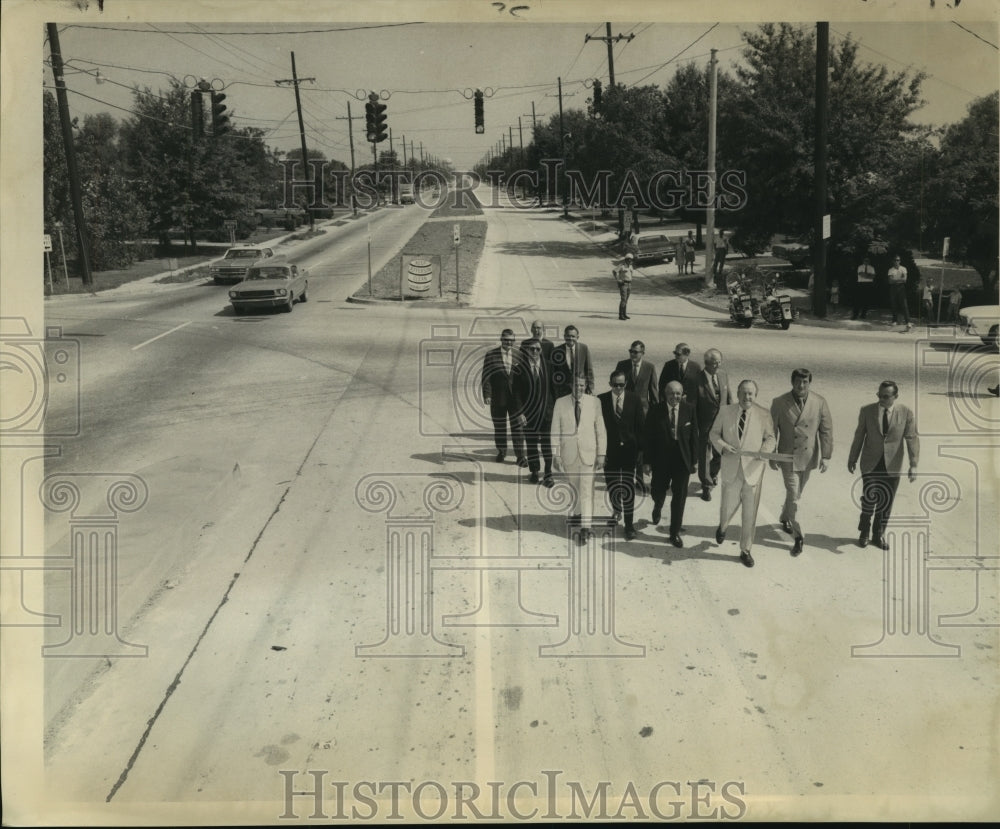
(804, 428)
(740, 429)
(579, 445)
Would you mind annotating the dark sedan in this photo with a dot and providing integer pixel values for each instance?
(271, 285)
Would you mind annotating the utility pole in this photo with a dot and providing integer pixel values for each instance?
(520, 132)
(710, 218)
(819, 256)
(562, 149)
(611, 57)
(295, 81)
(350, 136)
(76, 195)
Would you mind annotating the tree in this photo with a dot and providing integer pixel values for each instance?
(770, 132)
(963, 192)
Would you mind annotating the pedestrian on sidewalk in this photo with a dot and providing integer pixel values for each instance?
(721, 249)
(687, 253)
(623, 274)
(863, 289)
(897, 293)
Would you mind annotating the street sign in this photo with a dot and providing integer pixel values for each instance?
(457, 235)
(944, 248)
(229, 223)
(47, 243)
(826, 226)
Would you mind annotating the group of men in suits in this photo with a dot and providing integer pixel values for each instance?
(680, 421)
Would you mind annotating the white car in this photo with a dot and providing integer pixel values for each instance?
(234, 265)
(980, 321)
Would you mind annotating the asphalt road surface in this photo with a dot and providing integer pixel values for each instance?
(306, 600)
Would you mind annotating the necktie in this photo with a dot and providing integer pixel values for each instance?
(577, 412)
(885, 422)
(618, 407)
(534, 368)
(635, 372)
(673, 422)
(743, 422)
(715, 385)
(569, 357)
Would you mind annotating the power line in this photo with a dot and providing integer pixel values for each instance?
(681, 52)
(983, 39)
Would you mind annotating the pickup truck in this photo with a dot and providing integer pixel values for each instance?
(652, 247)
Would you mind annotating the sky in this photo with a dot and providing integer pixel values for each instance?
(426, 71)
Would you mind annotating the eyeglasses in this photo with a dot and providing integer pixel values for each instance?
(634, 351)
(618, 385)
(535, 348)
(507, 342)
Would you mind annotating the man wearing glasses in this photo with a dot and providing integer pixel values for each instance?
(533, 393)
(498, 393)
(897, 293)
(623, 419)
(682, 369)
(883, 428)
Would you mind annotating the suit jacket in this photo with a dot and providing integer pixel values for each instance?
(645, 386)
(547, 346)
(562, 377)
(533, 398)
(657, 440)
(758, 435)
(497, 384)
(625, 433)
(706, 403)
(797, 431)
(672, 371)
(582, 444)
(869, 445)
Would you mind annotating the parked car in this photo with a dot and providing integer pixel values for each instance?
(406, 193)
(287, 216)
(980, 321)
(233, 266)
(273, 284)
(652, 247)
(797, 254)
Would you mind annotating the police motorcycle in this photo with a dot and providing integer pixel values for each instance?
(742, 307)
(774, 307)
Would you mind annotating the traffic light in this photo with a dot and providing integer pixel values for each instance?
(597, 96)
(220, 121)
(375, 119)
(197, 115)
(480, 127)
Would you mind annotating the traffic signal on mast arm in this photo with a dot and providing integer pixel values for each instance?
(375, 119)
(480, 126)
(597, 96)
(197, 115)
(220, 121)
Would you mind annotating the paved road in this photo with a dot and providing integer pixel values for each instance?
(287, 455)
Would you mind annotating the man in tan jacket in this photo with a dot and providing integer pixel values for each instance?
(883, 428)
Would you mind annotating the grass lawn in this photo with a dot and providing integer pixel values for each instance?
(436, 237)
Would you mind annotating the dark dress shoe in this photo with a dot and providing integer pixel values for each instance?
(746, 558)
(995, 391)
(522, 462)
(630, 533)
(533, 477)
(787, 527)
(880, 542)
(720, 535)
(863, 540)
(675, 539)
(547, 481)
(656, 515)
(706, 494)
(500, 456)
(715, 480)
(584, 536)
(797, 547)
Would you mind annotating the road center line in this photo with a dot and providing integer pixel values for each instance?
(154, 339)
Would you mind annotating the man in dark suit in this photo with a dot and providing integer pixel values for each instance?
(712, 392)
(883, 428)
(570, 359)
(670, 444)
(538, 333)
(498, 393)
(623, 420)
(534, 401)
(682, 369)
(640, 378)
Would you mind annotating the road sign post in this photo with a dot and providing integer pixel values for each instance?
(944, 255)
(458, 238)
(47, 249)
